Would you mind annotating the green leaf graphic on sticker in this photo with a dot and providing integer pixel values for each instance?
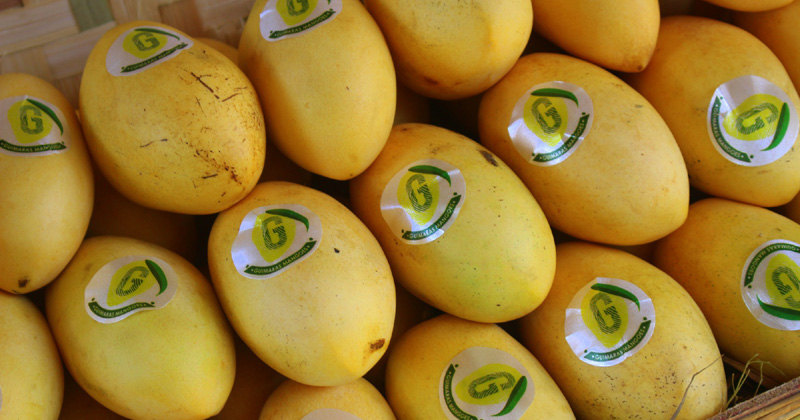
(513, 399)
(129, 281)
(547, 116)
(144, 43)
(32, 120)
(755, 118)
(490, 385)
(783, 282)
(779, 312)
(274, 232)
(294, 12)
(605, 314)
(418, 192)
(780, 131)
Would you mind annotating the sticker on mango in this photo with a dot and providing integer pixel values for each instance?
(422, 200)
(141, 48)
(751, 121)
(483, 383)
(32, 127)
(609, 320)
(129, 285)
(274, 238)
(282, 19)
(770, 284)
(550, 121)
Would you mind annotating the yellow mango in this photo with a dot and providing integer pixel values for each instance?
(615, 34)
(777, 29)
(312, 293)
(355, 400)
(449, 368)
(325, 108)
(452, 50)
(751, 5)
(709, 80)
(31, 373)
(665, 350)
(164, 353)
(739, 263)
(194, 139)
(459, 228)
(46, 191)
(617, 159)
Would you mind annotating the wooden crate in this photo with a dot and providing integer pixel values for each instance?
(51, 39)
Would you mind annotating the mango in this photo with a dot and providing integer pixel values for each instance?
(453, 50)
(740, 264)
(624, 340)
(31, 374)
(460, 229)
(733, 114)
(751, 5)
(355, 400)
(165, 352)
(324, 108)
(450, 368)
(46, 191)
(590, 148)
(194, 140)
(304, 283)
(615, 34)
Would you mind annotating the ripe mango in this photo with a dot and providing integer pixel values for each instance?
(355, 400)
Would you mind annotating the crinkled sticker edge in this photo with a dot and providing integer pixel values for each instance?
(57, 141)
(120, 63)
(330, 414)
(247, 259)
(453, 190)
(273, 28)
(96, 291)
(582, 340)
(530, 146)
(753, 286)
(737, 91)
(514, 407)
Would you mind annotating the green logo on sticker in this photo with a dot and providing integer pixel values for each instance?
(274, 233)
(127, 283)
(148, 45)
(779, 295)
(418, 194)
(296, 16)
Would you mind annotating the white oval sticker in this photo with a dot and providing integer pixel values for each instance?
(140, 48)
(771, 284)
(422, 200)
(609, 320)
(129, 285)
(330, 414)
(32, 127)
(273, 238)
(550, 121)
(484, 383)
(751, 121)
(282, 19)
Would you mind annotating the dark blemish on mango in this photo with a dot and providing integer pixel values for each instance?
(377, 344)
(489, 157)
(23, 282)
(335, 250)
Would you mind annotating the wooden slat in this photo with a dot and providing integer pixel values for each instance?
(224, 19)
(67, 57)
(130, 10)
(91, 13)
(31, 61)
(182, 15)
(10, 4)
(32, 26)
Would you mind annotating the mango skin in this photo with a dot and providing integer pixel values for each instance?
(46, 201)
(324, 107)
(615, 34)
(694, 56)
(652, 382)
(628, 163)
(495, 262)
(707, 254)
(453, 50)
(175, 362)
(194, 139)
(751, 5)
(777, 29)
(293, 400)
(419, 357)
(327, 319)
(31, 374)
